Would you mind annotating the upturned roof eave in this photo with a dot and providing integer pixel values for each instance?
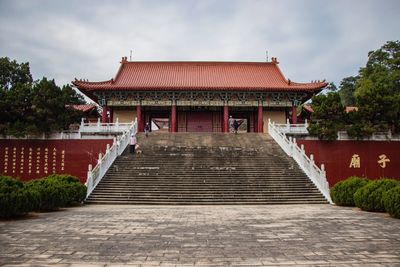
(91, 88)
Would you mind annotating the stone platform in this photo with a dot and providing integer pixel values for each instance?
(286, 235)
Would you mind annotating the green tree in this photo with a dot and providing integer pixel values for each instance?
(377, 91)
(71, 96)
(18, 110)
(33, 107)
(13, 73)
(328, 117)
(347, 89)
(52, 107)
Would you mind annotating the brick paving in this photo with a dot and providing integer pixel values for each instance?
(297, 235)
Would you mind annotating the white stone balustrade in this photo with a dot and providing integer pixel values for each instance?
(105, 161)
(104, 127)
(300, 128)
(315, 174)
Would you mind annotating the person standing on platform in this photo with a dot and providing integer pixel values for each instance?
(132, 143)
(147, 129)
(235, 126)
(231, 124)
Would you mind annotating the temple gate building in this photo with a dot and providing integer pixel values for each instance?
(199, 96)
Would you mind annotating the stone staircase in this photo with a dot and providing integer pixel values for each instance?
(205, 168)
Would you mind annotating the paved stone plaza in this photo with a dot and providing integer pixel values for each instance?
(297, 235)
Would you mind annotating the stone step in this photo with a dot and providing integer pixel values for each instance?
(206, 197)
(210, 177)
(191, 171)
(208, 202)
(214, 187)
(183, 186)
(198, 169)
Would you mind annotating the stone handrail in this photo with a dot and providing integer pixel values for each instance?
(315, 174)
(99, 127)
(105, 161)
(300, 128)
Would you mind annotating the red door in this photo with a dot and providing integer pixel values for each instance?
(199, 122)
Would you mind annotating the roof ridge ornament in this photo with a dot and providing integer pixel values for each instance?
(274, 60)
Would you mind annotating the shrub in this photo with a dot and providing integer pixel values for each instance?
(342, 193)
(52, 193)
(369, 197)
(49, 193)
(15, 199)
(391, 200)
(76, 192)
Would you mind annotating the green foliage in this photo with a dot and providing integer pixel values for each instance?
(57, 191)
(369, 197)
(12, 73)
(71, 97)
(47, 194)
(328, 116)
(391, 199)
(15, 199)
(347, 89)
(342, 193)
(357, 127)
(52, 194)
(376, 93)
(33, 108)
(378, 88)
(75, 190)
(51, 107)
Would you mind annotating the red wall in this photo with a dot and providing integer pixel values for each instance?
(30, 159)
(337, 157)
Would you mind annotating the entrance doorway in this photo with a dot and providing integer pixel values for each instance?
(243, 119)
(243, 124)
(199, 121)
(159, 121)
(159, 124)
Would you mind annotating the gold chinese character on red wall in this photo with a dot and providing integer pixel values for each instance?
(355, 161)
(383, 159)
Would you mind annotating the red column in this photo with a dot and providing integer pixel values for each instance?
(104, 115)
(226, 119)
(294, 115)
(260, 119)
(173, 118)
(139, 118)
(255, 127)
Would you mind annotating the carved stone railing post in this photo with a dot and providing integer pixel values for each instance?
(89, 180)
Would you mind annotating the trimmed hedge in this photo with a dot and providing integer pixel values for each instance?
(57, 191)
(48, 193)
(52, 194)
(369, 197)
(342, 193)
(76, 192)
(391, 200)
(15, 199)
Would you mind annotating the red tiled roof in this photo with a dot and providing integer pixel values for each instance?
(263, 76)
(84, 108)
(308, 108)
(351, 109)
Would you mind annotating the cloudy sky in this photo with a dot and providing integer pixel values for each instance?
(313, 39)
